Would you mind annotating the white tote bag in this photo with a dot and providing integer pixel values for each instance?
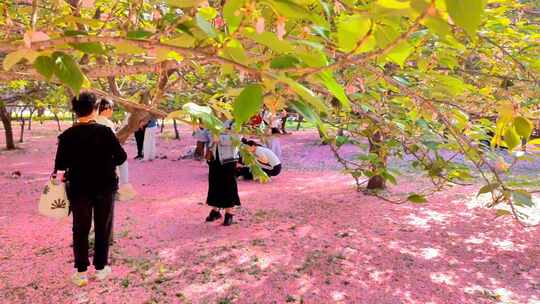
(54, 202)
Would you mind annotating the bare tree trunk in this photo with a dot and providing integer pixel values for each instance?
(30, 119)
(162, 124)
(176, 133)
(40, 113)
(57, 121)
(376, 182)
(135, 119)
(21, 136)
(6, 121)
(300, 120)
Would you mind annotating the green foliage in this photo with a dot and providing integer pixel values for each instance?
(466, 14)
(422, 79)
(248, 103)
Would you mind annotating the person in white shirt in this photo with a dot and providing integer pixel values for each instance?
(273, 121)
(125, 190)
(271, 141)
(267, 159)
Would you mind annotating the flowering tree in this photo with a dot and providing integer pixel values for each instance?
(418, 77)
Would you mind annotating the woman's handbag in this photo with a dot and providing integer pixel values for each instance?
(54, 202)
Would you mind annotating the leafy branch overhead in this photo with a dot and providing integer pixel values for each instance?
(417, 78)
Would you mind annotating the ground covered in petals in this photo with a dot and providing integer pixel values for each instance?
(305, 237)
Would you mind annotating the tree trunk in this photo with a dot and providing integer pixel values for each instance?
(6, 121)
(57, 121)
(133, 124)
(176, 133)
(376, 182)
(300, 120)
(162, 124)
(30, 120)
(21, 136)
(40, 113)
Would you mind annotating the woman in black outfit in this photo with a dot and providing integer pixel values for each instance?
(222, 157)
(89, 153)
(139, 139)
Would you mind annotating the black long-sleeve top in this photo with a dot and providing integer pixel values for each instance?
(89, 153)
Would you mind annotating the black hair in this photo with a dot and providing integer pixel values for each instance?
(251, 143)
(105, 104)
(84, 104)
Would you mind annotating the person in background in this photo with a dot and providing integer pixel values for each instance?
(105, 112)
(222, 156)
(273, 121)
(202, 135)
(271, 141)
(139, 139)
(268, 161)
(89, 153)
(284, 116)
(125, 191)
(149, 146)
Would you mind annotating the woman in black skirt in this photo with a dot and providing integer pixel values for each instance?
(222, 156)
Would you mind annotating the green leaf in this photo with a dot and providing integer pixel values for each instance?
(522, 198)
(67, 70)
(417, 198)
(269, 40)
(89, 47)
(284, 61)
(205, 26)
(400, 53)
(126, 47)
(13, 58)
(139, 34)
(341, 140)
(183, 3)
(305, 93)
(199, 112)
(313, 58)
(209, 13)
(235, 51)
(248, 103)
(185, 41)
(45, 66)
(488, 188)
(467, 14)
(350, 30)
(232, 14)
(523, 127)
(438, 26)
(336, 89)
(511, 138)
(295, 10)
(306, 111)
(71, 33)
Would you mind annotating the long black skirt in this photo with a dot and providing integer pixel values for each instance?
(222, 186)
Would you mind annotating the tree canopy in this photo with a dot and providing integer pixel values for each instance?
(418, 77)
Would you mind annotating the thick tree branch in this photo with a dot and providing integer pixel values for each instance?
(99, 72)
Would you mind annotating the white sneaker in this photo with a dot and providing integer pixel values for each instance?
(80, 279)
(103, 273)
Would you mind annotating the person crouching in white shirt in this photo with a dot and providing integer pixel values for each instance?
(267, 159)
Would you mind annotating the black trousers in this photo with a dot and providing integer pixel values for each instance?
(83, 206)
(246, 172)
(139, 138)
